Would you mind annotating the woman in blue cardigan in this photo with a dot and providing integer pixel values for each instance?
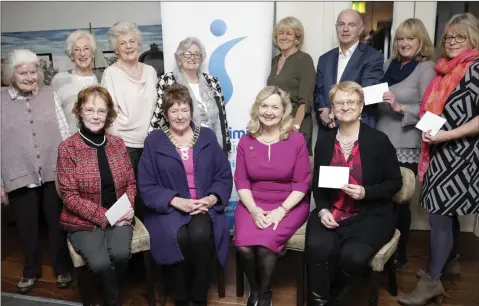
(185, 180)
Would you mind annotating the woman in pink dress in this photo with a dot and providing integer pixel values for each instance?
(272, 178)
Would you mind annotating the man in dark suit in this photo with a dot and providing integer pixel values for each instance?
(352, 61)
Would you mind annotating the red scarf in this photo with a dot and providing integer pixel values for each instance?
(448, 75)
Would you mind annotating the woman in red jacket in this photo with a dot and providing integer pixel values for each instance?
(94, 171)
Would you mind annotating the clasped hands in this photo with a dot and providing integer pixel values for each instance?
(126, 218)
(356, 192)
(194, 206)
(327, 118)
(264, 219)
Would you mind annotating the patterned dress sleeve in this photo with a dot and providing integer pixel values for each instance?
(218, 89)
(158, 119)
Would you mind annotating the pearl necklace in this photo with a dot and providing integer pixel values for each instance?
(132, 75)
(95, 144)
(346, 148)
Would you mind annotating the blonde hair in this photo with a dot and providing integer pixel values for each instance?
(255, 127)
(292, 23)
(465, 24)
(414, 27)
(348, 87)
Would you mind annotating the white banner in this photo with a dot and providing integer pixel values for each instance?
(237, 37)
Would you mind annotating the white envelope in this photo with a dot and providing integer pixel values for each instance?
(118, 209)
(374, 94)
(333, 177)
(431, 122)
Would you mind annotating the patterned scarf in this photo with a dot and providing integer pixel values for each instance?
(448, 75)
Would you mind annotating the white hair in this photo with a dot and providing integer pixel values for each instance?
(16, 58)
(121, 28)
(74, 37)
(185, 44)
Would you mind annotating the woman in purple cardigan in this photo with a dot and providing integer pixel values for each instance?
(185, 180)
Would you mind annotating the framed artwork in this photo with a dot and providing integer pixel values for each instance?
(46, 60)
(46, 64)
(110, 57)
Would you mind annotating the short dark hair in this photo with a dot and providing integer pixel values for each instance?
(176, 94)
(103, 93)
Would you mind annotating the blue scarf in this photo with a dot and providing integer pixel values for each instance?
(395, 74)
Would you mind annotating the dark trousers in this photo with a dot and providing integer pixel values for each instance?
(402, 214)
(106, 253)
(26, 204)
(351, 256)
(135, 155)
(191, 277)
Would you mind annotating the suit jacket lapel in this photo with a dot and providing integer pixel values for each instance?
(335, 66)
(352, 61)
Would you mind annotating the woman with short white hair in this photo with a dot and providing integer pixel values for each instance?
(132, 85)
(33, 125)
(80, 48)
(205, 90)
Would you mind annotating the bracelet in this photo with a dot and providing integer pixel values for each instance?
(286, 211)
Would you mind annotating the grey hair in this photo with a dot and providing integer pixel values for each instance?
(16, 58)
(121, 28)
(74, 37)
(185, 44)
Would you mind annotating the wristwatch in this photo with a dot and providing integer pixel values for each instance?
(297, 126)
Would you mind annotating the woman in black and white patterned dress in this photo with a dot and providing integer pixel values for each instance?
(205, 90)
(451, 169)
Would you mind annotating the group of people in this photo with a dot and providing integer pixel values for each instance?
(164, 143)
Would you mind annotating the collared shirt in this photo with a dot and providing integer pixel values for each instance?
(343, 59)
(62, 121)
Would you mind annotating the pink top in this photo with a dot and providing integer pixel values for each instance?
(190, 171)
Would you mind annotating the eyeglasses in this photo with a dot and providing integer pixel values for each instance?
(100, 112)
(196, 55)
(458, 38)
(78, 50)
(350, 103)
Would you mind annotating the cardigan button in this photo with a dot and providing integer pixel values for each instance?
(34, 133)
(31, 121)
(38, 156)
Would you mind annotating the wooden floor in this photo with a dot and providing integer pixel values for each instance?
(464, 292)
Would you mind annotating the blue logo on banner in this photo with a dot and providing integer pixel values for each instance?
(217, 65)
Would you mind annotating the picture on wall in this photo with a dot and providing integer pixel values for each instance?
(110, 57)
(46, 64)
(53, 42)
(46, 59)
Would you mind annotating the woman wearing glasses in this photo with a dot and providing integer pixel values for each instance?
(449, 161)
(80, 49)
(94, 170)
(205, 90)
(342, 234)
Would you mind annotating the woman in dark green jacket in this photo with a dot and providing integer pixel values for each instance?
(293, 71)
